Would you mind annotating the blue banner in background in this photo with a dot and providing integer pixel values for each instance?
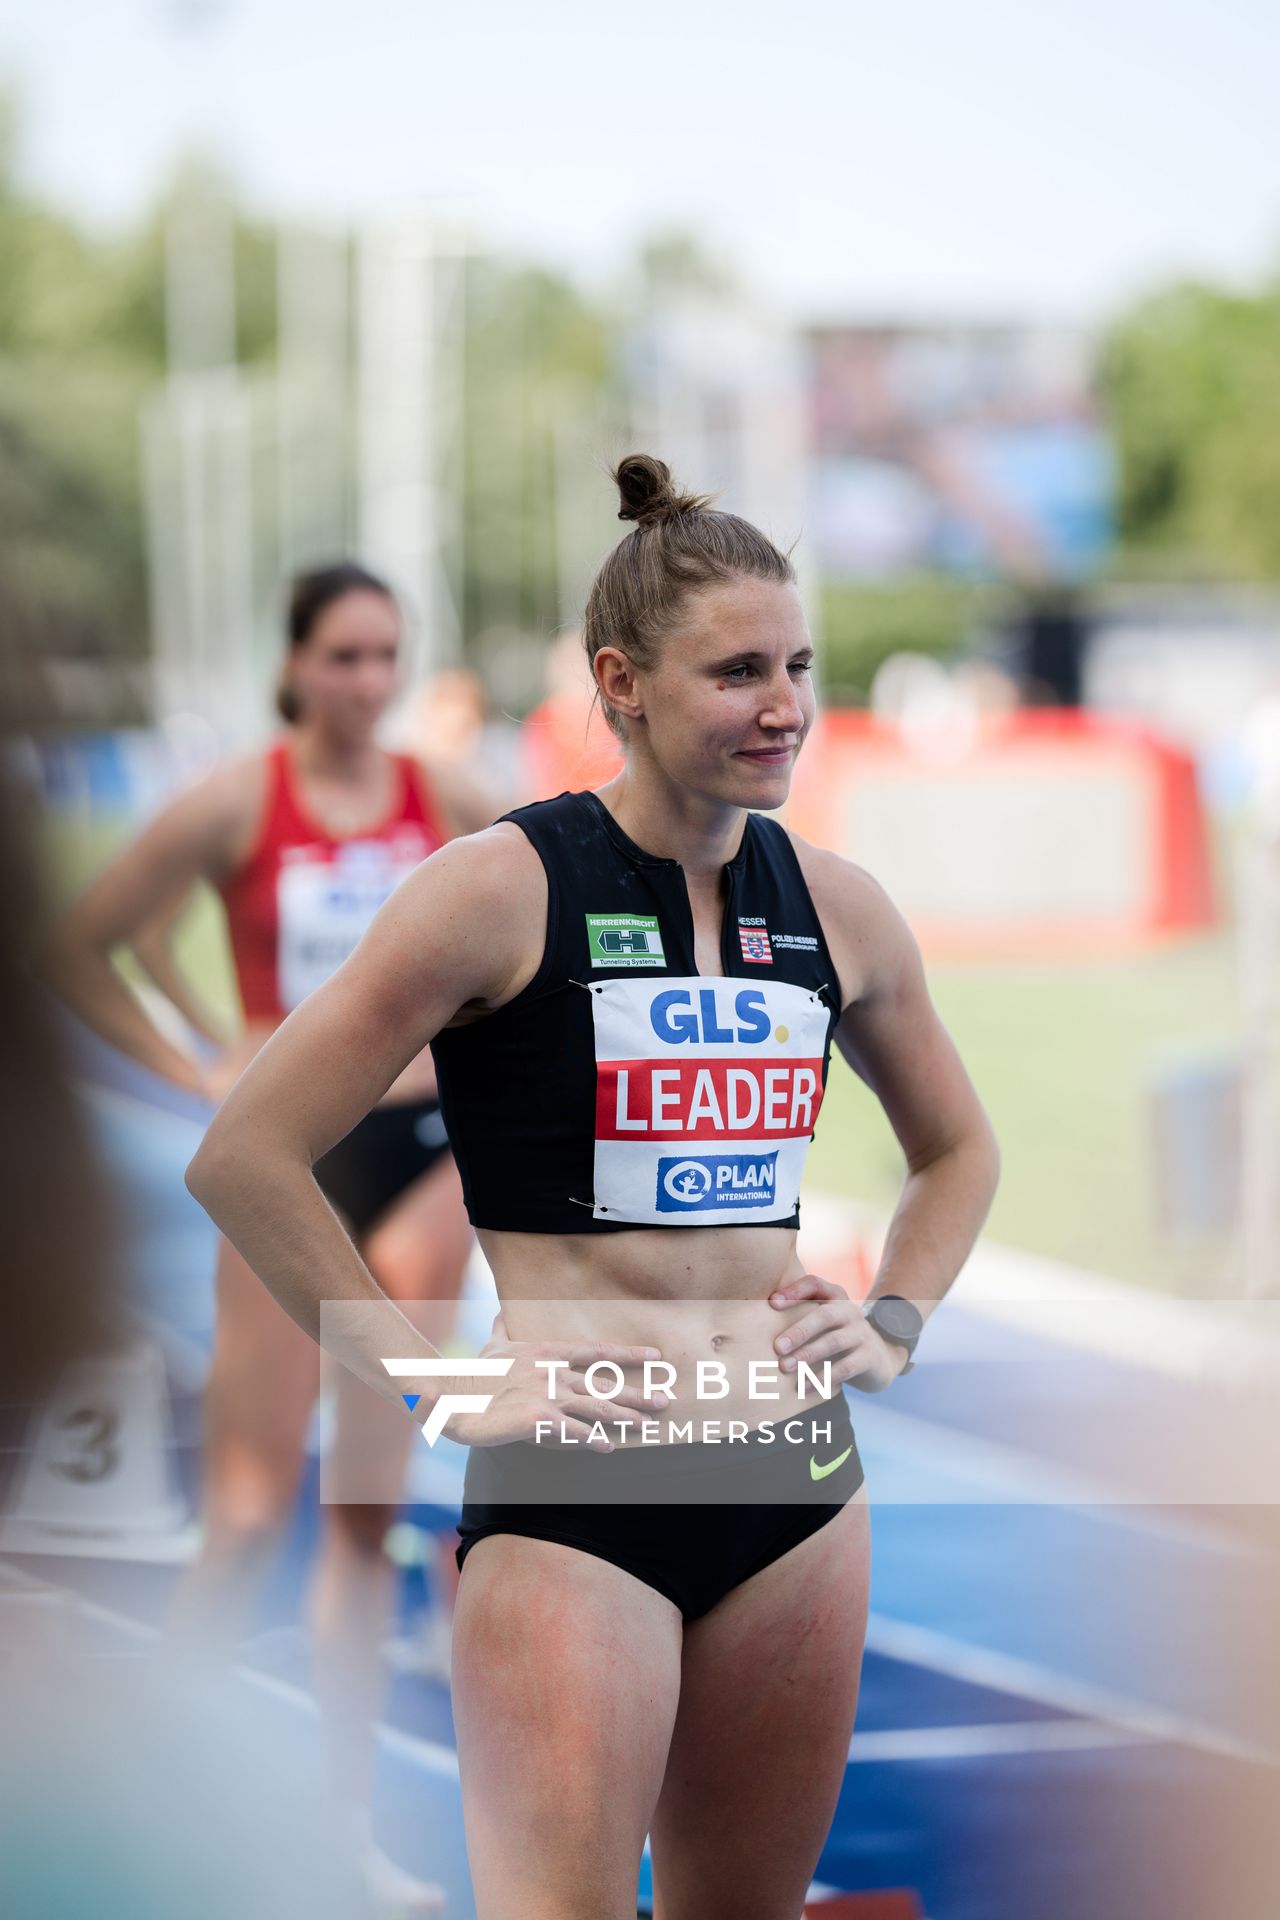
(973, 451)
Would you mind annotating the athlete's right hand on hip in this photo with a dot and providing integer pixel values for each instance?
(543, 1392)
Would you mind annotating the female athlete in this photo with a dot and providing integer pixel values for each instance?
(304, 841)
(630, 995)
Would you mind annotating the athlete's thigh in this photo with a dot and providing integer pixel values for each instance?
(418, 1249)
(566, 1677)
(264, 1369)
(372, 1437)
(768, 1691)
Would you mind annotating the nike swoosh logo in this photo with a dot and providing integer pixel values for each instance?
(820, 1473)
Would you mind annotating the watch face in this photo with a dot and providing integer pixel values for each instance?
(897, 1319)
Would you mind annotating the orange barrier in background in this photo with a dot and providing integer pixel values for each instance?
(1042, 832)
(566, 745)
(1037, 832)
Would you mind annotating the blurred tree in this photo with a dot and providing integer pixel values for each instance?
(72, 590)
(1190, 381)
(51, 281)
(863, 624)
(1188, 377)
(678, 260)
(71, 584)
(82, 340)
(530, 340)
(133, 320)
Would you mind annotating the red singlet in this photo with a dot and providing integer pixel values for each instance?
(298, 905)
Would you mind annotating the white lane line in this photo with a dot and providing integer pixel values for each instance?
(175, 1549)
(23, 1582)
(428, 1754)
(973, 1742)
(1006, 1673)
(108, 1617)
(896, 1639)
(114, 1103)
(1017, 1477)
(1196, 1340)
(425, 1753)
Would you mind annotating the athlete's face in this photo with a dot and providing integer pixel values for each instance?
(730, 700)
(345, 670)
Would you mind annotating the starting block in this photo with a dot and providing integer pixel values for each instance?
(96, 1475)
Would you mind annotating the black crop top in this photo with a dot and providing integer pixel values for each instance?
(620, 1088)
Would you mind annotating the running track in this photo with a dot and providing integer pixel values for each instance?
(1070, 1702)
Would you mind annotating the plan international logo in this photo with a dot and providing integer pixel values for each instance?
(716, 1180)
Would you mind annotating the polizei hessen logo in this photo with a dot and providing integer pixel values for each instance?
(696, 1182)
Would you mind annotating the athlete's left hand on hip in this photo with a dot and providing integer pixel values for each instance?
(837, 1331)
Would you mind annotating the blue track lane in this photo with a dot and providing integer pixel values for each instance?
(1060, 1708)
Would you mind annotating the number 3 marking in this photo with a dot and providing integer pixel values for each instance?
(96, 1429)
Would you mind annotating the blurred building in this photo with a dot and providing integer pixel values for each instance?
(975, 450)
(717, 388)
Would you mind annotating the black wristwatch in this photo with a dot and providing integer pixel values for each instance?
(898, 1320)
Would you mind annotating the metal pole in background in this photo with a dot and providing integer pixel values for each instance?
(718, 391)
(314, 509)
(409, 410)
(196, 440)
(199, 281)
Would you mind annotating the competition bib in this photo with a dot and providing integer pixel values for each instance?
(323, 907)
(706, 1095)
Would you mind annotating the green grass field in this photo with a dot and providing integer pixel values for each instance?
(1062, 1057)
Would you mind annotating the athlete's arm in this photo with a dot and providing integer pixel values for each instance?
(153, 947)
(465, 930)
(890, 1034)
(198, 836)
(465, 802)
(459, 931)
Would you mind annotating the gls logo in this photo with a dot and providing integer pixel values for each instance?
(674, 1017)
(448, 1403)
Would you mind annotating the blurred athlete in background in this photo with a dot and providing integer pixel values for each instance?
(304, 841)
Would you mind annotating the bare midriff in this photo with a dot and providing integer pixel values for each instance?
(697, 1294)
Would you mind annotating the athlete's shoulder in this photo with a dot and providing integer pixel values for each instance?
(476, 907)
(869, 938)
(254, 787)
(218, 813)
(462, 803)
(553, 805)
(239, 782)
(830, 874)
(560, 827)
(496, 863)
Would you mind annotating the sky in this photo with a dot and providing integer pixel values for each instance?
(1044, 159)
